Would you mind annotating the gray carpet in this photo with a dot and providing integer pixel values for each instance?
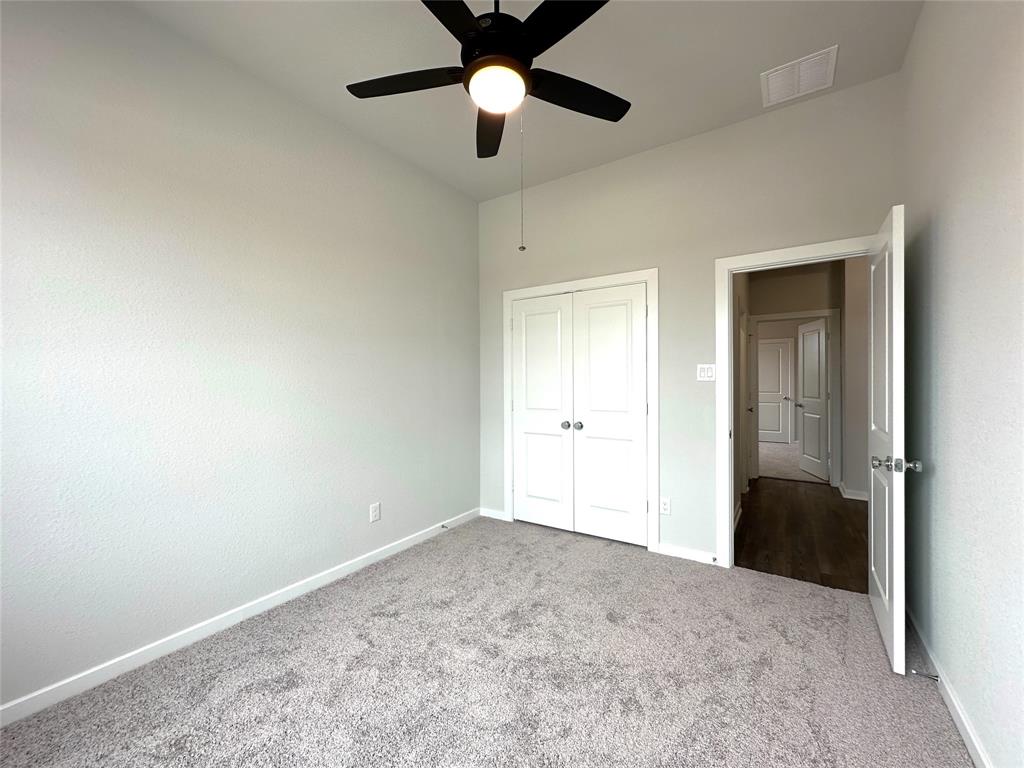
(508, 644)
(782, 461)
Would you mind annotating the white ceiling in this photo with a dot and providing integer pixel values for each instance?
(687, 67)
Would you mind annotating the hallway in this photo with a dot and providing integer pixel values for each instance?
(805, 531)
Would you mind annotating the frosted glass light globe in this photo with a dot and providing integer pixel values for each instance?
(497, 89)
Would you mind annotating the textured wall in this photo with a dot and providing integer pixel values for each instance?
(964, 77)
(229, 327)
(677, 208)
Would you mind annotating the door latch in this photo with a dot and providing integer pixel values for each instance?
(909, 465)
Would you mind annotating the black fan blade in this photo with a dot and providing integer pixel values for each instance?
(455, 15)
(554, 19)
(406, 82)
(576, 95)
(489, 127)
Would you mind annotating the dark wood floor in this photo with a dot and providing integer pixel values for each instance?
(805, 531)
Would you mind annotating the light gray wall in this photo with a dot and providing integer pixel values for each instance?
(229, 327)
(677, 208)
(964, 78)
(855, 374)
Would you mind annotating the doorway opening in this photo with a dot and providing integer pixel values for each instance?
(883, 457)
(796, 327)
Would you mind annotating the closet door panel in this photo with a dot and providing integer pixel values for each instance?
(610, 412)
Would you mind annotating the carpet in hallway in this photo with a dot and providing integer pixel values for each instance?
(782, 461)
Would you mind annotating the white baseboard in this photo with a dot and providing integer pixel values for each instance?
(850, 494)
(496, 514)
(736, 516)
(90, 678)
(963, 723)
(686, 553)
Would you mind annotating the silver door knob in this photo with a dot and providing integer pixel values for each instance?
(566, 424)
(578, 425)
(914, 466)
(877, 463)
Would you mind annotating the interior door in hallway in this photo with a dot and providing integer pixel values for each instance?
(610, 407)
(886, 564)
(774, 390)
(542, 392)
(812, 397)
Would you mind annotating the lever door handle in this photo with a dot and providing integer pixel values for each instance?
(787, 398)
(798, 405)
(750, 410)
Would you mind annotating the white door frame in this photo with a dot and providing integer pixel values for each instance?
(834, 327)
(650, 278)
(725, 268)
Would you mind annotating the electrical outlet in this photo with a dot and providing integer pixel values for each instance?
(706, 372)
(666, 505)
(375, 512)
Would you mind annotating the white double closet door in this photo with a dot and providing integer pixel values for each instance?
(579, 412)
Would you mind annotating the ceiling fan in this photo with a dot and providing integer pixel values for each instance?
(497, 65)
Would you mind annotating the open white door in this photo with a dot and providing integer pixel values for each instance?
(542, 485)
(812, 397)
(610, 406)
(774, 390)
(886, 565)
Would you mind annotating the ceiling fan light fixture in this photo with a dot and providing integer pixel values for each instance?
(497, 86)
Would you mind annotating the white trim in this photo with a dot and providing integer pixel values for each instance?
(854, 495)
(648, 276)
(724, 269)
(90, 678)
(834, 353)
(956, 709)
(496, 514)
(685, 553)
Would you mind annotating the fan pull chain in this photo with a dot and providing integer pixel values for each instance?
(522, 154)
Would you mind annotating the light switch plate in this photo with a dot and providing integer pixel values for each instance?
(666, 505)
(706, 372)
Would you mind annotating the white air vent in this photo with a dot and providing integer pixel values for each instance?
(798, 78)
